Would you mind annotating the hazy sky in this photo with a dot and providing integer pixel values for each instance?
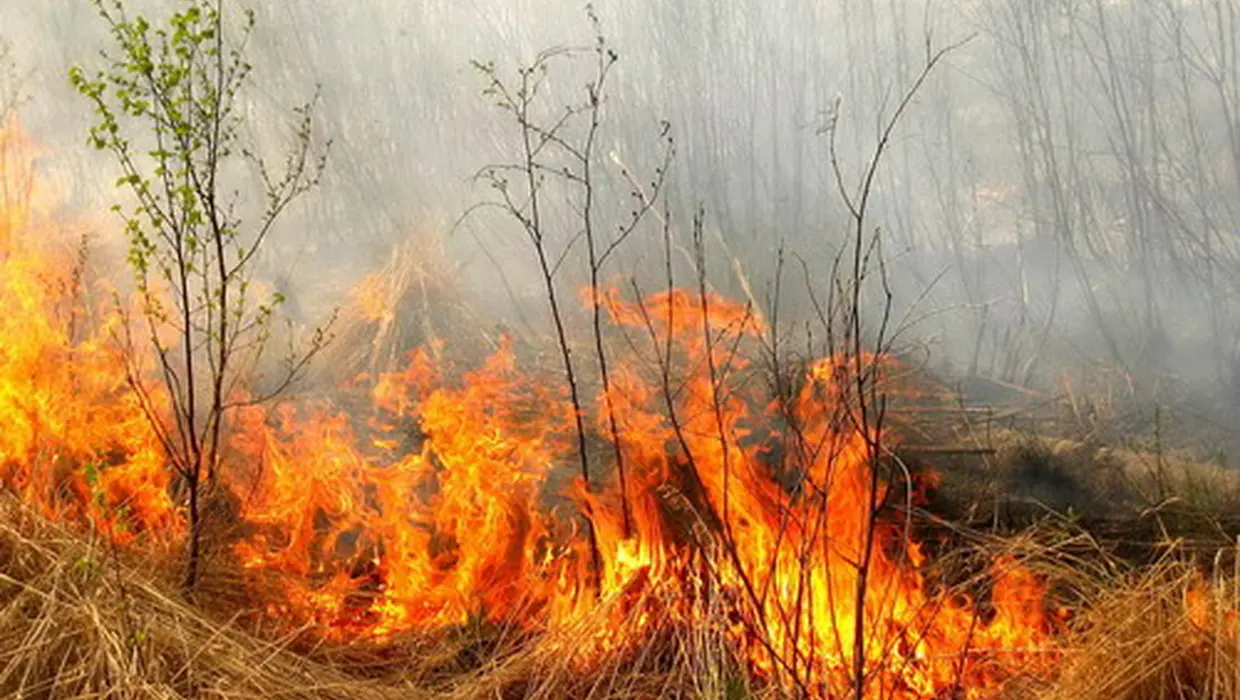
(1067, 177)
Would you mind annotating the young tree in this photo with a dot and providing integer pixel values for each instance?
(168, 109)
(560, 147)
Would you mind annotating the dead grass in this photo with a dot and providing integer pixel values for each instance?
(413, 301)
(1141, 636)
(74, 623)
(1029, 476)
(77, 623)
(1163, 630)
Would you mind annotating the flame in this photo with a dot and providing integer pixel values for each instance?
(460, 505)
(1209, 607)
(372, 299)
(75, 440)
(456, 494)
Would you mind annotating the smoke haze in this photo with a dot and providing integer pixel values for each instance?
(1064, 190)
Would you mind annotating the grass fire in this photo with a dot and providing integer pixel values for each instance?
(651, 472)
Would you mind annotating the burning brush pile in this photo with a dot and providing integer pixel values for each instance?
(693, 505)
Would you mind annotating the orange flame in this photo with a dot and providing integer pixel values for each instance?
(75, 440)
(453, 495)
(462, 507)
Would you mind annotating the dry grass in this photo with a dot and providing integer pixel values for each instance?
(75, 623)
(1163, 630)
(1140, 637)
(413, 301)
(1029, 476)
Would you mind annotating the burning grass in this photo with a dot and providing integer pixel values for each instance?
(78, 620)
(470, 516)
(449, 498)
(1156, 632)
(436, 537)
(411, 301)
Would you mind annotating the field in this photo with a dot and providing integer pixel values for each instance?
(354, 551)
(654, 470)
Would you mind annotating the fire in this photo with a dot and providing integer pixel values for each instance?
(1207, 608)
(452, 495)
(75, 440)
(371, 297)
(454, 500)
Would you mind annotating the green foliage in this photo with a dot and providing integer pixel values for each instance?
(178, 86)
(167, 104)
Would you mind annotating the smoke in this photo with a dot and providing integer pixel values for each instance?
(1061, 193)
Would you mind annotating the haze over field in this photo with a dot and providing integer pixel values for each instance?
(1064, 190)
(646, 348)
